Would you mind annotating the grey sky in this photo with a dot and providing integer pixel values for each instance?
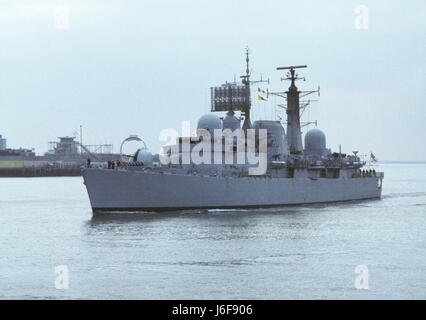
(126, 67)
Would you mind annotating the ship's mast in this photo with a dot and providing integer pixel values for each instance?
(294, 134)
(246, 82)
(232, 96)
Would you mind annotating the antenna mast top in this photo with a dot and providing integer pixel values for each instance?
(247, 60)
(292, 75)
(246, 78)
(246, 82)
(292, 67)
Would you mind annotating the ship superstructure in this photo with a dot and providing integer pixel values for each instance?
(232, 165)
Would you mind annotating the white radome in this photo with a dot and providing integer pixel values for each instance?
(209, 122)
(315, 141)
(144, 156)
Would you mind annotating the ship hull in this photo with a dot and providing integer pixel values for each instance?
(116, 190)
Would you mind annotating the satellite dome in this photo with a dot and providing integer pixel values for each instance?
(144, 156)
(231, 122)
(315, 141)
(209, 122)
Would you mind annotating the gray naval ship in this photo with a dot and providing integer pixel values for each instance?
(291, 174)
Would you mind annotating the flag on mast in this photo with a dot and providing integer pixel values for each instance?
(259, 94)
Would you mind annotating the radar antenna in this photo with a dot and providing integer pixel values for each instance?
(295, 107)
(233, 96)
(292, 75)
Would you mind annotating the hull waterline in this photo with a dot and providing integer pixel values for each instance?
(116, 190)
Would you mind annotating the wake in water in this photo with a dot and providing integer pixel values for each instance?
(404, 195)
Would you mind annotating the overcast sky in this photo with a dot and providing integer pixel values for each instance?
(137, 67)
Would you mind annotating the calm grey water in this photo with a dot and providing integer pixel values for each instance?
(295, 252)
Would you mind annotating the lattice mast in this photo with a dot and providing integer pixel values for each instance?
(246, 82)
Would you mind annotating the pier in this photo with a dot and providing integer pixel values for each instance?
(40, 172)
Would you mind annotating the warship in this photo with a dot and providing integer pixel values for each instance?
(228, 165)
